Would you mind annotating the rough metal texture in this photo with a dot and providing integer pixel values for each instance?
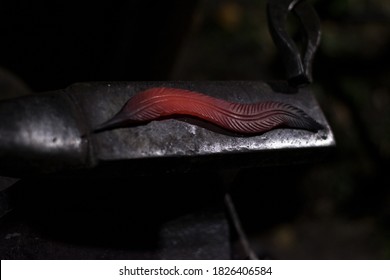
(40, 134)
(181, 139)
(52, 132)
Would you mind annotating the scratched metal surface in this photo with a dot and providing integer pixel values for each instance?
(40, 134)
(180, 138)
(51, 132)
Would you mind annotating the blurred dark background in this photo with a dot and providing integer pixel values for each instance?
(336, 209)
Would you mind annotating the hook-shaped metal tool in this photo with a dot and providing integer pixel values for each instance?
(298, 66)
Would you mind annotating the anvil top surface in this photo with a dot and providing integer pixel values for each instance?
(182, 138)
(52, 132)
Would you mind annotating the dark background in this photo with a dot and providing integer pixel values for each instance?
(336, 209)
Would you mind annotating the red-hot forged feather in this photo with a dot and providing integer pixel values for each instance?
(255, 118)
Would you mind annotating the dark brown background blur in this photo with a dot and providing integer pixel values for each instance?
(338, 209)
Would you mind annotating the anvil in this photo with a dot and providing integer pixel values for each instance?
(52, 132)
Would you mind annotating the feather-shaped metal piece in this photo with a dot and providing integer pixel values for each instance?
(241, 118)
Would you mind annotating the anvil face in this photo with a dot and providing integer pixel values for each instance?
(174, 143)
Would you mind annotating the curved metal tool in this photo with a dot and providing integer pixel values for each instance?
(298, 68)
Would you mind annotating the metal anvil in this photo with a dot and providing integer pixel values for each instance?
(52, 132)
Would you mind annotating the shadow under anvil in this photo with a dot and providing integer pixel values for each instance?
(134, 214)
